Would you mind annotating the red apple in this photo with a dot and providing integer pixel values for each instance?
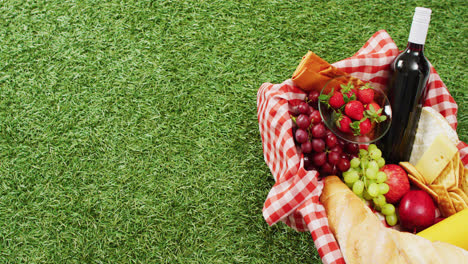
(398, 183)
(416, 211)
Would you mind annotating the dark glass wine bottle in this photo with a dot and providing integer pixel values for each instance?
(407, 91)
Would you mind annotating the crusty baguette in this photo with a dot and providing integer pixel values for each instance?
(364, 239)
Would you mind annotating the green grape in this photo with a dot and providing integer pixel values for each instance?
(358, 187)
(351, 176)
(363, 153)
(380, 200)
(391, 219)
(366, 195)
(355, 162)
(364, 162)
(380, 162)
(377, 207)
(350, 185)
(373, 189)
(388, 209)
(371, 173)
(373, 165)
(383, 188)
(369, 182)
(375, 154)
(371, 147)
(381, 177)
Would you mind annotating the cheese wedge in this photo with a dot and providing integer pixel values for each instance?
(451, 230)
(436, 157)
(430, 125)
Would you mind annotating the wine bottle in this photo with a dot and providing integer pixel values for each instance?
(407, 91)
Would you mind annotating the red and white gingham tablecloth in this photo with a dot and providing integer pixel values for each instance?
(294, 199)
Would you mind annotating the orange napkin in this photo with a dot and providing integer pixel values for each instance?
(313, 73)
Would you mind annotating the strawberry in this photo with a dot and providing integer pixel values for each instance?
(361, 127)
(365, 126)
(365, 96)
(374, 113)
(349, 92)
(343, 124)
(336, 100)
(355, 110)
(375, 106)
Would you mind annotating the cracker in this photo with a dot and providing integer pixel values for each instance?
(413, 171)
(461, 194)
(461, 173)
(444, 202)
(447, 177)
(456, 169)
(423, 187)
(463, 181)
(458, 203)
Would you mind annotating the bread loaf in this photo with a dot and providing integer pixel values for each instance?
(364, 239)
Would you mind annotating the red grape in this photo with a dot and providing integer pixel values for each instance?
(306, 147)
(315, 117)
(313, 98)
(318, 131)
(351, 148)
(319, 158)
(341, 143)
(343, 165)
(301, 135)
(326, 169)
(337, 148)
(303, 108)
(318, 145)
(294, 110)
(333, 157)
(312, 167)
(303, 121)
(307, 161)
(331, 140)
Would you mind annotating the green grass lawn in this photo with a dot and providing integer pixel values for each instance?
(128, 129)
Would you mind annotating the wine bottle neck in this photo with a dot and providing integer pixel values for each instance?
(415, 47)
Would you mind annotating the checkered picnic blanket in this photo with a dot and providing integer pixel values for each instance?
(294, 199)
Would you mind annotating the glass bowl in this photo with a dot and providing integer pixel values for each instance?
(330, 115)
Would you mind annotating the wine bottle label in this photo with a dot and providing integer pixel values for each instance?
(420, 25)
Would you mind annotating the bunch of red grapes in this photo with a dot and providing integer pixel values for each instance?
(323, 151)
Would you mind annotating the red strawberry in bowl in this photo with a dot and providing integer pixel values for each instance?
(375, 107)
(349, 91)
(374, 113)
(344, 124)
(365, 126)
(336, 100)
(365, 94)
(355, 110)
(361, 127)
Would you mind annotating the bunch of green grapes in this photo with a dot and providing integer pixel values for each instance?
(368, 182)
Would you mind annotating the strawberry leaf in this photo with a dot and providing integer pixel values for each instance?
(326, 97)
(355, 127)
(381, 119)
(366, 86)
(346, 98)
